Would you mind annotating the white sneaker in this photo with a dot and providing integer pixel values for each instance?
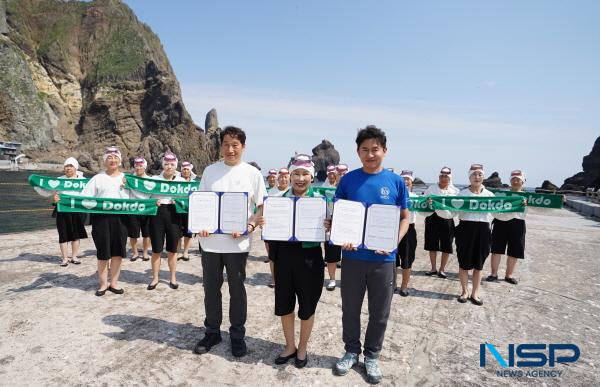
(330, 285)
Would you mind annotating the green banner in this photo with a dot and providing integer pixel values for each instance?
(181, 205)
(93, 205)
(534, 199)
(327, 192)
(161, 187)
(470, 203)
(419, 204)
(57, 184)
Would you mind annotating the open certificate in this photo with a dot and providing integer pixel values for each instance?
(218, 212)
(294, 219)
(382, 227)
(279, 218)
(367, 226)
(204, 212)
(348, 222)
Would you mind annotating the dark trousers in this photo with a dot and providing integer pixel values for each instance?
(377, 278)
(212, 271)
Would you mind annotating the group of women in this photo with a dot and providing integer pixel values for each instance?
(297, 267)
(163, 231)
(475, 235)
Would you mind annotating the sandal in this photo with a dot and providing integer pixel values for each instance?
(462, 299)
(64, 264)
(492, 278)
(511, 280)
(75, 261)
(133, 259)
(431, 273)
(475, 301)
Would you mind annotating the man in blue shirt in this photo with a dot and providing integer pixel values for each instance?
(368, 270)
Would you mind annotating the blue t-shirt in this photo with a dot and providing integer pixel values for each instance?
(384, 187)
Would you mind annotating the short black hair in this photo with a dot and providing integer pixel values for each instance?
(234, 132)
(369, 132)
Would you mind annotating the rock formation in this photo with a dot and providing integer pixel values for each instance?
(493, 181)
(590, 177)
(78, 76)
(324, 155)
(547, 186)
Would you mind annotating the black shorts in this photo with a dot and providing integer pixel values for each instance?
(511, 233)
(333, 253)
(109, 232)
(184, 225)
(165, 224)
(298, 274)
(472, 244)
(137, 224)
(405, 256)
(70, 226)
(439, 233)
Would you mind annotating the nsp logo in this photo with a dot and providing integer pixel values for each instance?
(531, 355)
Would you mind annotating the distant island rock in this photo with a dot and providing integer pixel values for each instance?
(493, 181)
(590, 177)
(324, 155)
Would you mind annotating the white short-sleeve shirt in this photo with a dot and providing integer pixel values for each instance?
(220, 177)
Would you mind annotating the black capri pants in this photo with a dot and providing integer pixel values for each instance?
(439, 233)
(109, 232)
(298, 275)
(405, 256)
(472, 244)
(511, 234)
(165, 224)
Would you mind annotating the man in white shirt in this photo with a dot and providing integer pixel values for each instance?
(229, 251)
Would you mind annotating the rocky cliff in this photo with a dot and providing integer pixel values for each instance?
(590, 177)
(78, 76)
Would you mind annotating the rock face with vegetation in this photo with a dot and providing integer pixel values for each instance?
(78, 76)
(324, 155)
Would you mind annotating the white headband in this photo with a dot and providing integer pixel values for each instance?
(72, 161)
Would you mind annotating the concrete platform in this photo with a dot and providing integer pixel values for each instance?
(54, 331)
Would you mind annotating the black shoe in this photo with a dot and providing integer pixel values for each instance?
(238, 347)
(100, 293)
(301, 363)
(475, 301)
(64, 264)
(116, 291)
(271, 285)
(511, 280)
(462, 299)
(151, 287)
(184, 258)
(173, 286)
(145, 259)
(284, 359)
(404, 293)
(492, 278)
(133, 259)
(431, 273)
(442, 274)
(208, 341)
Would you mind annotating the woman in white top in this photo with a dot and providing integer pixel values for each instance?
(407, 246)
(139, 223)
(439, 225)
(187, 173)
(271, 179)
(109, 231)
(332, 178)
(508, 230)
(165, 225)
(68, 224)
(283, 184)
(473, 238)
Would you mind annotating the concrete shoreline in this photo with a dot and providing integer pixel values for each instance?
(56, 332)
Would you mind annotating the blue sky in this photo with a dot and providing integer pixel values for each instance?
(510, 84)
